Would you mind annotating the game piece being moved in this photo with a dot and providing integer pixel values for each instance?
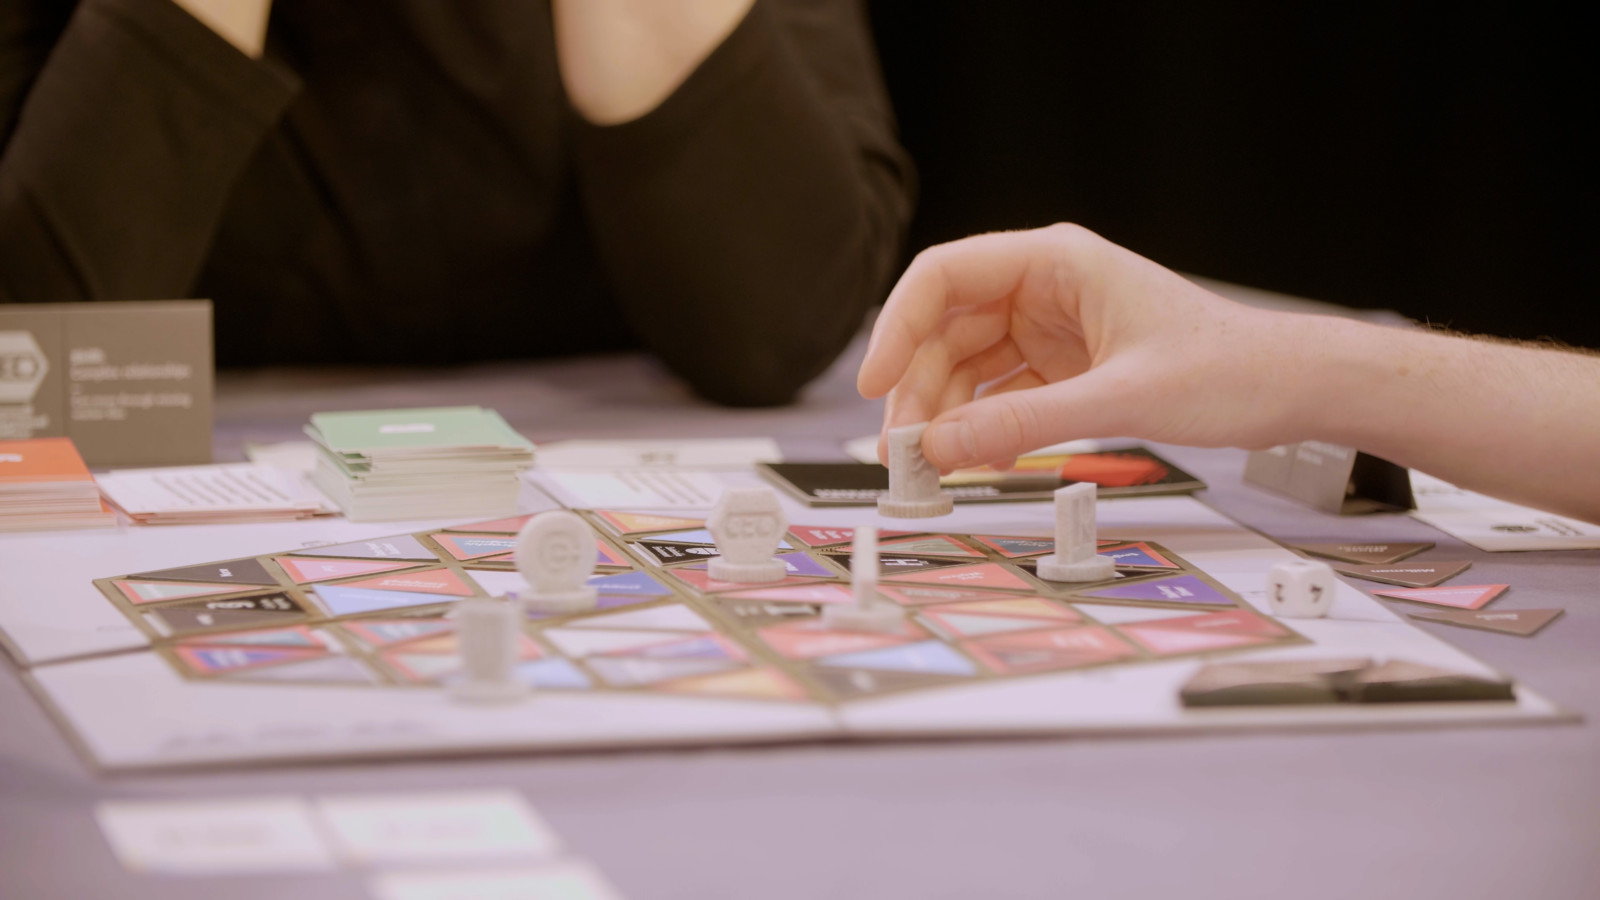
(914, 491)
(1300, 589)
(488, 632)
(1075, 559)
(870, 611)
(555, 556)
(747, 523)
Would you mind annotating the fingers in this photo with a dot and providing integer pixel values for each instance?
(1001, 426)
(973, 271)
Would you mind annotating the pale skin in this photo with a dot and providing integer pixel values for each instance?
(619, 59)
(1013, 341)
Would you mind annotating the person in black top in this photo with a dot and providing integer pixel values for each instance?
(408, 181)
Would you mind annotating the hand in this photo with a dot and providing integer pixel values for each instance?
(1013, 341)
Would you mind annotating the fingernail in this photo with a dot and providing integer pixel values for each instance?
(953, 443)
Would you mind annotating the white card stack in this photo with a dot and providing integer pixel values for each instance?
(206, 495)
(44, 485)
(450, 462)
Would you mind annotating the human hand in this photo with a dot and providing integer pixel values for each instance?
(1016, 340)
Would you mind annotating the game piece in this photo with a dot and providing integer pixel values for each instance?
(1075, 558)
(1407, 574)
(487, 633)
(913, 481)
(1520, 622)
(870, 611)
(748, 523)
(1300, 589)
(555, 555)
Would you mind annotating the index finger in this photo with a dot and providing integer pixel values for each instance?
(968, 272)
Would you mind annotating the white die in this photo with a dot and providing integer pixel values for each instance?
(1302, 589)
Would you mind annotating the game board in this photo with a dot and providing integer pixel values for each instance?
(375, 612)
(338, 648)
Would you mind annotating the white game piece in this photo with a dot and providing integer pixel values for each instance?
(1075, 559)
(913, 481)
(748, 524)
(487, 636)
(1300, 589)
(555, 555)
(870, 612)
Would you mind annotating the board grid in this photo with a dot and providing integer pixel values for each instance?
(374, 613)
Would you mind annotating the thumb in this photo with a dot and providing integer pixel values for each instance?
(1003, 426)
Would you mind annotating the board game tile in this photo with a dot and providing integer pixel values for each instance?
(756, 613)
(140, 592)
(706, 646)
(427, 581)
(809, 640)
(636, 584)
(332, 669)
(388, 632)
(580, 642)
(1466, 596)
(448, 644)
(1045, 651)
(1015, 547)
(293, 636)
(1191, 634)
(930, 545)
(510, 525)
(909, 595)
(848, 684)
(402, 546)
(925, 657)
(633, 671)
(1137, 555)
(605, 555)
(474, 546)
(207, 614)
(248, 571)
(956, 625)
(892, 563)
(497, 582)
(988, 576)
(1377, 554)
(668, 553)
(754, 684)
(309, 571)
(1520, 622)
(1186, 589)
(346, 601)
(627, 523)
(1021, 607)
(421, 668)
(204, 660)
(700, 536)
(672, 617)
(1409, 574)
(696, 577)
(815, 536)
(554, 673)
(828, 592)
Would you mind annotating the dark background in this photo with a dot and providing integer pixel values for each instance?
(1425, 160)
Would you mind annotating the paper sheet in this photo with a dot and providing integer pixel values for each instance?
(216, 836)
(713, 453)
(1495, 525)
(634, 488)
(212, 492)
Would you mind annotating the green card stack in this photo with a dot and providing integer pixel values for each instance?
(444, 462)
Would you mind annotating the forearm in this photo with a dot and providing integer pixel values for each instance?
(1517, 422)
(620, 58)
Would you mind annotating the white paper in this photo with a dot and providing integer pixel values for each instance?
(214, 837)
(437, 826)
(1494, 525)
(297, 456)
(241, 488)
(642, 489)
(711, 453)
(574, 880)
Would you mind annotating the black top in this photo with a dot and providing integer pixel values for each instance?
(403, 181)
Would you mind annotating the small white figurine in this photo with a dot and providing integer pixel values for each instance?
(870, 611)
(487, 636)
(555, 555)
(1300, 589)
(1075, 559)
(913, 481)
(747, 524)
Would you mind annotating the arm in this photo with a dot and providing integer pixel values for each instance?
(1009, 342)
(746, 193)
(128, 122)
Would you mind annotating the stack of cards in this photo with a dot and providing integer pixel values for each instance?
(203, 495)
(44, 484)
(448, 462)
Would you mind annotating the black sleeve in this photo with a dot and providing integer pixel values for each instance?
(126, 124)
(749, 221)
